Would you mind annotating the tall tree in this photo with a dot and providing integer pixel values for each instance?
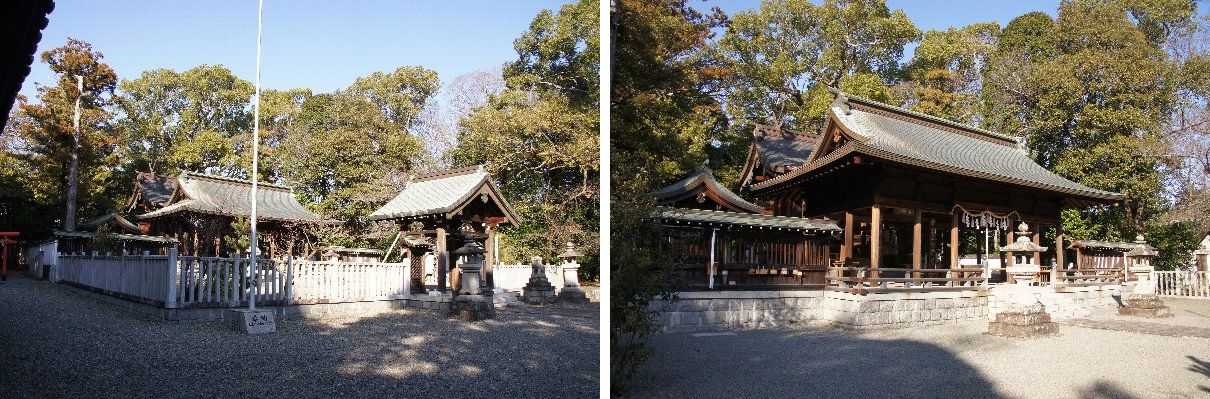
(946, 71)
(539, 136)
(196, 120)
(788, 52)
(663, 118)
(61, 162)
(1089, 92)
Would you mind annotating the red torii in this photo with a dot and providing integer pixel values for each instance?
(6, 237)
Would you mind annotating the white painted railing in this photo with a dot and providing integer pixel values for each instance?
(514, 277)
(189, 281)
(207, 282)
(143, 278)
(1185, 284)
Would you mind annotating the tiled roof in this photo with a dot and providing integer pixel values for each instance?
(119, 236)
(782, 147)
(704, 217)
(225, 196)
(1118, 246)
(443, 192)
(21, 26)
(112, 216)
(902, 136)
(703, 176)
(153, 190)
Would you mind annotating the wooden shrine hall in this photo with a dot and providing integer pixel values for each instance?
(198, 209)
(907, 186)
(721, 241)
(436, 211)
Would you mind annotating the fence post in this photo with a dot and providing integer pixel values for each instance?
(407, 277)
(172, 277)
(290, 279)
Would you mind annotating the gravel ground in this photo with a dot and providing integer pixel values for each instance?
(949, 361)
(54, 343)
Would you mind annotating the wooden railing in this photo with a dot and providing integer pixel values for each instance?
(863, 280)
(1184, 284)
(142, 278)
(188, 281)
(1087, 277)
(226, 282)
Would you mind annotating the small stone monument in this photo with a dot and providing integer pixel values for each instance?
(251, 321)
(571, 291)
(538, 290)
(1023, 315)
(1142, 300)
(470, 304)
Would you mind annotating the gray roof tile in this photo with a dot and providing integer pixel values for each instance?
(443, 192)
(705, 217)
(225, 196)
(703, 176)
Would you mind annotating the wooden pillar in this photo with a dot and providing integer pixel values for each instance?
(917, 242)
(1037, 238)
(1008, 239)
(1059, 248)
(443, 259)
(875, 239)
(954, 220)
(846, 250)
(490, 258)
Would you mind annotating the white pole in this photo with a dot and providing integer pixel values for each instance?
(255, 151)
(710, 284)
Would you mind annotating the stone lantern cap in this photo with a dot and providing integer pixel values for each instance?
(471, 247)
(1141, 248)
(1023, 243)
(569, 252)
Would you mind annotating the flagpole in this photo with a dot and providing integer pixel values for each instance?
(255, 154)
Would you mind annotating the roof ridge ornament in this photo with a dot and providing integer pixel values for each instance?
(843, 100)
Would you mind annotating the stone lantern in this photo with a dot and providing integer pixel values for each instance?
(1023, 270)
(538, 291)
(1023, 315)
(470, 304)
(1142, 300)
(571, 291)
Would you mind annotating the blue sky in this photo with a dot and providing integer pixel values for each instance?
(322, 45)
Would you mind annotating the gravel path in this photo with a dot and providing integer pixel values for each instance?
(54, 343)
(947, 361)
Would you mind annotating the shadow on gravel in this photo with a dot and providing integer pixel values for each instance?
(778, 363)
(1201, 367)
(1105, 390)
(54, 344)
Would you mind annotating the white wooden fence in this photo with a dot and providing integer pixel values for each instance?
(1185, 284)
(188, 281)
(41, 257)
(514, 277)
(142, 278)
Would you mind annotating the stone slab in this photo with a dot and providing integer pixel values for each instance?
(259, 321)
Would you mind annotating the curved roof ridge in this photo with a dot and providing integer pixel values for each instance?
(260, 184)
(931, 118)
(703, 175)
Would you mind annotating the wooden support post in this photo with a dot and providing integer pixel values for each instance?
(1059, 249)
(875, 240)
(171, 301)
(846, 251)
(1037, 239)
(954, 260)
(443, 259)
(917, 242)
(490, 257)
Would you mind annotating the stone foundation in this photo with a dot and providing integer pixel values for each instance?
(760, 309)
(538, 294)
(472, 308)
(1067, 303)
(1144, 305)
(1023, 322)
